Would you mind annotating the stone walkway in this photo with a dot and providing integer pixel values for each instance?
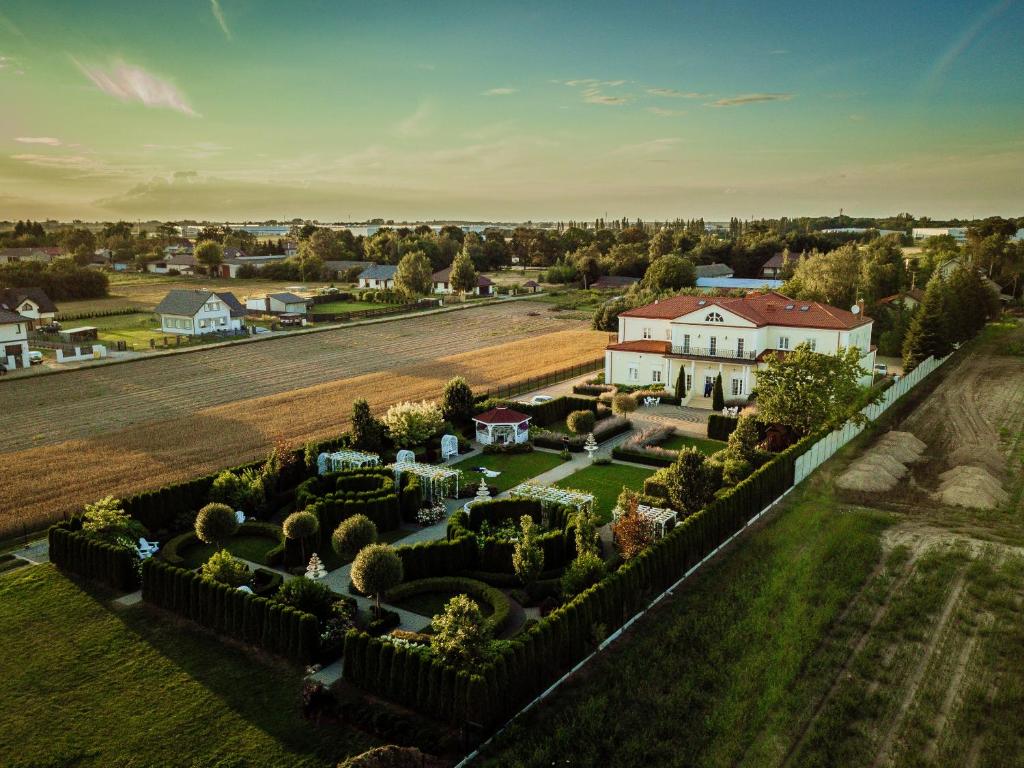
(37, 552)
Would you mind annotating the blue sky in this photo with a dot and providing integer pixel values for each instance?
(229, 108)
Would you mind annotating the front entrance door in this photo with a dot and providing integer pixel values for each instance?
(709, 386)
(13, 350)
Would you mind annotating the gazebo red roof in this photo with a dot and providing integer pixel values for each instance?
(501, 416)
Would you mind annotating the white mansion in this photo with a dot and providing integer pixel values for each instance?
(705, 336)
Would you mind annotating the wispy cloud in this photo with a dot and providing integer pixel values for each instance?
(647, 148)
(132, 83)
(596, 96)
(662, 112)
(672, 93)
(750, 98)
(415, 124)
(593, 92)
(49, 141)
(218, 14)
(55, 161)
(499, 92)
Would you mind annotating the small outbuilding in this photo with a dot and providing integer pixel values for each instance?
(502, 426)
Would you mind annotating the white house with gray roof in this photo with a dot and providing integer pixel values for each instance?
(380, 276)
(198, 312)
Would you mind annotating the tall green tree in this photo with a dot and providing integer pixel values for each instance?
(367, 430)
(413, 277)
(681, 384)
(670, 273)
(457, 401)
(527, 554)
(210, 254)
(463, 276)
(930, 333)
(806, 390)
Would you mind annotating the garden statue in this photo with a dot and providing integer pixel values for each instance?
(590, 446)
(315, 569)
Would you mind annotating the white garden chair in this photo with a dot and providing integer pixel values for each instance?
(239, 516)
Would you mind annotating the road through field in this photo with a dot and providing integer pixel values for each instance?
(121, 429)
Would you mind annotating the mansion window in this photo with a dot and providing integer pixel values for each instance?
(634, 373)
(739, 347)
(713, 317)
(656, 377)
(737, 387)
(712, 345)
(813, 344)
(686, 344)
(783, 342)
(647, 333)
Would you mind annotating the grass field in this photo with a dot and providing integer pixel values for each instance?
(84, 685)
(606, 483)
(705, 446)
(514, 468)
(346, 306)
(245, 546)
(77, 436)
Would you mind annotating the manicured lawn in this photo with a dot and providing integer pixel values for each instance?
(702, 444)
(136, 329)
(606, 483)
(252, 548)
(696, 681)
(430, 604)
(85, 685)
(346, 306)
(514, 468)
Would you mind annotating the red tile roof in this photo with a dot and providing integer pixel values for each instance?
(501, 416)
(771, 308)
(642, 345)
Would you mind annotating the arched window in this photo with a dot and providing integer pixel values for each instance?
(713, 317)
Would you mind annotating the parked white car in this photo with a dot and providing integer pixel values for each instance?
(881, 369)
(35, 357)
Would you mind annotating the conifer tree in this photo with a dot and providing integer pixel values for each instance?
(929, 332)
(718, 395)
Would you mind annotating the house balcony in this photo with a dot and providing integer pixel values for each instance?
(715, 353)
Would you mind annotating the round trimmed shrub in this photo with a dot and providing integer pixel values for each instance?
(299, 526)
(580, 422)
(216, 523)
(352, 535)
(623, 403)
(226, 568)
(376, 569)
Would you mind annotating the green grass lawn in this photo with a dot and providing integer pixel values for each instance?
(346, 306)
(701, 677)
(606, 483)
(136, 329)
(430, 604)
(252, 548)
(702, 444)
(85, 685)
(514, 468)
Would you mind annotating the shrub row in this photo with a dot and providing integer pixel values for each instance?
(641, 457)
(171, 552)
(605, 429)
(75, 552)
(495, 598)
(720, 427)
(592, 390)
(544, 413)
(416, 679)
(369, 492)
(494, 555)
(276, 628)
(438, 558)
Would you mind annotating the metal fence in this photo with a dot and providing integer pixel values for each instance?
(824, 449)
(536, 382)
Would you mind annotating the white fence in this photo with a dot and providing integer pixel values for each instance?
(823, 450)
(93, 352)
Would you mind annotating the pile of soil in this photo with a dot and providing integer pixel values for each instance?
(985, 456)
(884, 465)
(970, 486)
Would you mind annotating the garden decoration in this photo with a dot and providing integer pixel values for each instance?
(405, 457)
(578, 500)
(339, 460)
(449, 447)
(590, 446)
(436, 481)
(432, 514)
(315, 569)
(658, 517)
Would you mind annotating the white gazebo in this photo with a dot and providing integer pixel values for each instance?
(436, 481)
(502, 426)
(339, 460)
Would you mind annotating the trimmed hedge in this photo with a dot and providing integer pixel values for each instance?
(500, 604)
(338, 496)
(545, 413)
(641, 457)
(276, 628)
(438, 558)
(170, 552)
(720, 427)
(605, 429)
(75, 552)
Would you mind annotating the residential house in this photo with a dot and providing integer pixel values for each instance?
(13, 340)
(614, 282)
(198, 312)
(708, 336)
(713, 270)
(339, 268)
(278, 304)
(44, 254)
(31, 303)
(381, 276)
(179, 261)
(442, 283)
(230, 267)
(908, 299)
(773, 268)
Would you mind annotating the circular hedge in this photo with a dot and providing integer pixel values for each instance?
(501, 606)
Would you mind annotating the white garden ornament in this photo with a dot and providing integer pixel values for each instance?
(590, 446)
(315, 569)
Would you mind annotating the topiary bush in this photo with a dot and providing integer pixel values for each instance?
(352, 535)
(375, 570)
(300, 526)
(308, 596)
(216, 523)
(580, 422)
(225, 568)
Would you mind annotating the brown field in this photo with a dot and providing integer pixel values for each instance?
(121, 429)
(145, 291)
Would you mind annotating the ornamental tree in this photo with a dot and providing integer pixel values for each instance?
(623, 403)
(209, 253)
(457, 401)
(413, 423)
(352, 535)
(376, 569)
(692, 480)
(806, 390)
(718, 395)
(632, 532)
(367, 430)
(580, 422)
(527, 554)
(461, 634)
(681, 385)
(106, 519)
(216, 523)
(743, 439)
(299, 526)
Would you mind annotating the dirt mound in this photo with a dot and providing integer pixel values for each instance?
(881, 462)
(866, 481)
(902, 446)
(970, 486)
(987, 456)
